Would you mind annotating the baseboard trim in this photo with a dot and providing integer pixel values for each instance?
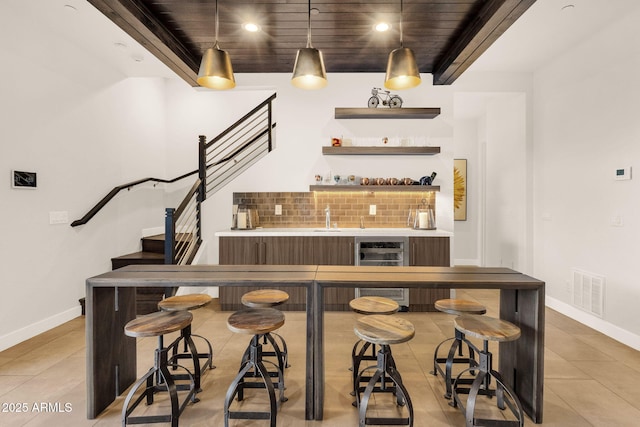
(611, 330)
(23, 334)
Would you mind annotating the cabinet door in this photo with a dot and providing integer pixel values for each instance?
(428, 251)
(286, 250)
(239, 250)
(334, 250)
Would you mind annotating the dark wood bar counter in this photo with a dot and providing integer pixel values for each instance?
(110, 304)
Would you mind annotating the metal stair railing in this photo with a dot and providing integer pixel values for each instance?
(237, 148)
(183, 228)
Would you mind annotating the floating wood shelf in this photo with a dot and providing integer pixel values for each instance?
(381, 150)
(396, 188)
(386, 113)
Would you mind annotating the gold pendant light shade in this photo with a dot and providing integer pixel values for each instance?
(402, 70)
(216, 71)
(309, 71)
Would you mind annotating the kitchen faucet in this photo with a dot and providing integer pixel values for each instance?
(327, 215)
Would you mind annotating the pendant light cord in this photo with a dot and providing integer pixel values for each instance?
(401, 9)
(309, 25)
(216, 22)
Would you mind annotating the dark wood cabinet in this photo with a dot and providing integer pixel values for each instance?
(286, 250)
(323, 250)
(335, 250)
(432, 252)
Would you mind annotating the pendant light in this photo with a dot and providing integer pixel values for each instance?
(216, 71)
(309, 71)
(402, 70)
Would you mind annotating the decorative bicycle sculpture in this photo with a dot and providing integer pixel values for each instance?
(385, 97)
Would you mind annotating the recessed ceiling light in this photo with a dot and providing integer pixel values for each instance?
(120, 46)
(568, 7)
(382, 27)
(251, 27)
(70, 7)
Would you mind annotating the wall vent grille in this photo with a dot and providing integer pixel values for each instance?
(588, 292)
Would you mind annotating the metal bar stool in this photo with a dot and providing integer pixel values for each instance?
(269, 298)
(256, 322)
(159, 378)
(383, 331)
(368, 305)
(457, 307)
(190, 351)
(487, 329)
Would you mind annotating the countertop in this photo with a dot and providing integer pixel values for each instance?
(395, 232)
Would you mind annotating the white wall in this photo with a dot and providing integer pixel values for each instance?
(83, 128)
(586, 125)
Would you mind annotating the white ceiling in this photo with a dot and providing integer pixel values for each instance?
(541, 34)
(548, 29)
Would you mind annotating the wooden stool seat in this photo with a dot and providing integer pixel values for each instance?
(374, 305)
(487, 328)
(159, 323)
(459, 306)
(264, 298)
(184, 302)
(384, 330)
(255, 321)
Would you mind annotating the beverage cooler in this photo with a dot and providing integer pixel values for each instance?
(388, 252)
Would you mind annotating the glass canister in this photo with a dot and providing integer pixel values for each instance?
(425, 217)
(243, 218)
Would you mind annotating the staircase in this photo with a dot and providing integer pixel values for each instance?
(147, 299)
(220, 161)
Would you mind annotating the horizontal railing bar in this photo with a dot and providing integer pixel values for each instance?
(237, 123)
(239, 150)
(234, 143)
(220, 145)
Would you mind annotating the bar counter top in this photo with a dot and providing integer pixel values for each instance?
(319, 232)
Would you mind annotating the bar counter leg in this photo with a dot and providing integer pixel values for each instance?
(522, 361)
(111, 356)
(318, 351)
(310, 362)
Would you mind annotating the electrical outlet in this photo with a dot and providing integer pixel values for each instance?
(372, 209)
(278, 209)
(617, 221)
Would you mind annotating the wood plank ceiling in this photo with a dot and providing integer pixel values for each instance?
(446, 35)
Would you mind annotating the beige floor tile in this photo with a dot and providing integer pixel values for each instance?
(590, 380)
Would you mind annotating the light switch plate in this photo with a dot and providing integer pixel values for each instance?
(278, 210)
(61, 217)
(372, 209)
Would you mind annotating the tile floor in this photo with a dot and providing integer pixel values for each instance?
(590, 379)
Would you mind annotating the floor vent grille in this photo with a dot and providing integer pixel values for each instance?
(588, 292)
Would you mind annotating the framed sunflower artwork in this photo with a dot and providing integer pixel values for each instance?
(460, 189)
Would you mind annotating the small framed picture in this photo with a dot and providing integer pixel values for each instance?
(24, 180)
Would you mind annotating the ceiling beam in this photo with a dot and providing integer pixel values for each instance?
(490, 23)
(133, 17)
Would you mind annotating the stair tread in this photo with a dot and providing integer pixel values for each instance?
(141, 255)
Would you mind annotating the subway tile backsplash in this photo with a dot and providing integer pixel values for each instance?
(307, 209)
